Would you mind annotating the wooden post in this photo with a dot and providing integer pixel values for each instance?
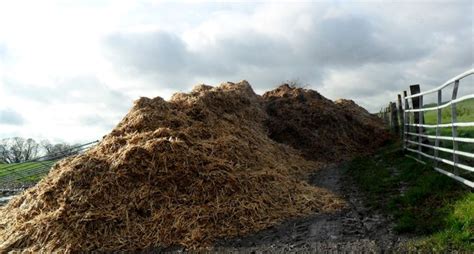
(389, 119)
(454, 128)
(389, 115)
(417, 103)
(394, 117)
(400, 116)
(383, 115)
(385, 118)
(406, 119)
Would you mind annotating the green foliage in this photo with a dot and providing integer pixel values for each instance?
(421, 200)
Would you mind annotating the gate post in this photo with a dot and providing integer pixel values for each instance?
(400, 116)
(406, 120)
(394, 117)
(418, 104)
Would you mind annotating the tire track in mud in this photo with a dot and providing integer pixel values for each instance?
(357, 228)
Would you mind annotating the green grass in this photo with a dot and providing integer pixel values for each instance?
(24, 170)
(464, 112)
(432, 205)
(460, 229)
(17, 167)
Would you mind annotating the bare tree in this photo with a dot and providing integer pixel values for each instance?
(15, 150)
(57, 150)
(4, 152)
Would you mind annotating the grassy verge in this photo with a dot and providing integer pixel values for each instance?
(422, 201)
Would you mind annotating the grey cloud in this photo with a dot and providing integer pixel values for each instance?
(387, 52)
(10, 117)
(253, 49)
(353, 40)
(342, 41)
(159, 56)
(332, 42)
(147, 52)
(164, 58)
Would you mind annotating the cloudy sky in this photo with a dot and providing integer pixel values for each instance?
(69, 70)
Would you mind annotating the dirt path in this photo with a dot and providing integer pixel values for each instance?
(356, 229)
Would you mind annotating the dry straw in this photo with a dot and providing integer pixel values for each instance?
(183, 172)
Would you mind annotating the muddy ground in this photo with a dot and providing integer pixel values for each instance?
(355, 229)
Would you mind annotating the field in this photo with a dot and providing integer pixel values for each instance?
(6, 169)
(27, 172)
(423, 203)
(465, 113)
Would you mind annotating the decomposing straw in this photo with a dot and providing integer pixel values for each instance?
(188, 171)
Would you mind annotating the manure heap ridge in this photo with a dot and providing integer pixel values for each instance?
(215, 163)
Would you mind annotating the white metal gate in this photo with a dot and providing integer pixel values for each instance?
(414, 135)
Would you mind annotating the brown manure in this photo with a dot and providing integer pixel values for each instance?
(321, 129)
(181, 172)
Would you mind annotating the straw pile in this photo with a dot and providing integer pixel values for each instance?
(320, 128)
(181, 172)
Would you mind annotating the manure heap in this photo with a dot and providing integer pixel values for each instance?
(188, 171)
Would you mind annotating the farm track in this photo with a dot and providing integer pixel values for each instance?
(355, 229)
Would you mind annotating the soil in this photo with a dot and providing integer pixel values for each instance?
(355, 229)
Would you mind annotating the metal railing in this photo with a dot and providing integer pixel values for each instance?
(25, 174)
(416, 129)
